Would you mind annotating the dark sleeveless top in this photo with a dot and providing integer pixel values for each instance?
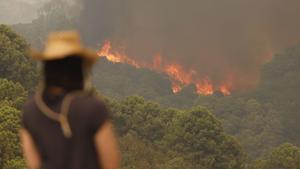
(86, 116)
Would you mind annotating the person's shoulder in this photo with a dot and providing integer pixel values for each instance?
(94, 107)
(91, 101)
(90, 98)
(29, 114)
(29, 105)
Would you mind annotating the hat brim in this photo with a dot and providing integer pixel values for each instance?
(87, 54)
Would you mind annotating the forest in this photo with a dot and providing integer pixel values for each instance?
(157, 129)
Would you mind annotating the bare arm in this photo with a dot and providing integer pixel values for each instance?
(107, 147)
(31, 154)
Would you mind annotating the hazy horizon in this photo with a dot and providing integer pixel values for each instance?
(19, 11)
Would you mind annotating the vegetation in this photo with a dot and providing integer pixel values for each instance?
(146, 83)
(280, 87)
(284, 156)
(14, 63)
(192, 138)
(244, 130)
(155, 137)
(258, 119)
(16, 71)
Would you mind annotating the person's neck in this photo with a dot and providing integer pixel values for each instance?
(55, 90)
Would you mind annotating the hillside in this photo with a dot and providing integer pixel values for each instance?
(257, 118)
(122, 80)
(150, 135)
(160, 129)
(280, 87)
(224, 131)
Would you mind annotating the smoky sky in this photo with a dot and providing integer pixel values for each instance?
(219, 39)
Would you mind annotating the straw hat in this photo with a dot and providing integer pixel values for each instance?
(63, 44)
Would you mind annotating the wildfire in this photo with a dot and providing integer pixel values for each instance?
(178, 75)
(175, 71)
(204, 87)
(115, 57)
(225, 90)
(176, 88)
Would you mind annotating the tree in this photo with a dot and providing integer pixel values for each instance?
(12, 93)
(139, 154)
(16, 70)
(280, 87)
(200, 137)
(192, 138)
(17, 163)
(9, 141)
(285, 156)
(134, 113)
(256, 125)
(15, 64)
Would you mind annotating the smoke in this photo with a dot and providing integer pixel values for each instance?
(222, 40)
(12, 10)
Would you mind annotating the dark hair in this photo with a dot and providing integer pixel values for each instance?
(66, 73)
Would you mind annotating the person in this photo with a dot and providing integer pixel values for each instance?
(65, 125)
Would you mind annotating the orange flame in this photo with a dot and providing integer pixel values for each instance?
(176, 72)
(115, 57)
(225, 90)
(178, 75)
(204, 87)
(176, 88)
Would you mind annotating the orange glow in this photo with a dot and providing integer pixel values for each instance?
(225, 90)
(105, 52)
(179, 76)
(177, 73)
(204, 87)
(115, 57)
(176, 88)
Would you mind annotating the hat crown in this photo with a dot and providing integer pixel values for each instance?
(69, 37)
(65, 44)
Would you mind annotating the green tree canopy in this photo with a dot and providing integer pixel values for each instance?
(15, 65)
(280, 87)
(9, 140)
(285, 156)
(199, 136)
(12, 93)
(192, 138)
